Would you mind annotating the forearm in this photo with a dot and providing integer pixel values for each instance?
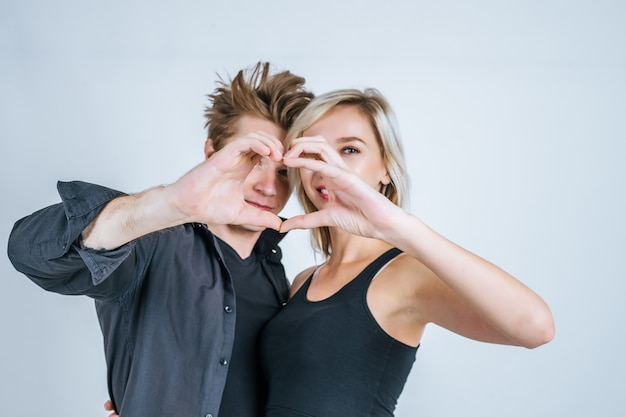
(46, 246)
(129, 217)
(500, 299)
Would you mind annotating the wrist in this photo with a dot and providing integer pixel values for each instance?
(160, 208)
(402, 229)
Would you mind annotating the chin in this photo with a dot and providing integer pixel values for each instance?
(250, 228)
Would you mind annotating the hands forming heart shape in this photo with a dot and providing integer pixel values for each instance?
(220, 190)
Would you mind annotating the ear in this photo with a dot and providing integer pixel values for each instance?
(386, 179)
(208, 148)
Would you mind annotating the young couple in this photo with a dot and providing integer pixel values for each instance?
(196, 312)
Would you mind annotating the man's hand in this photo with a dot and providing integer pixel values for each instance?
(213, 192)
(108, 405)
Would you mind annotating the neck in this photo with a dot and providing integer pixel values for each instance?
(347, 247)
(240, 239)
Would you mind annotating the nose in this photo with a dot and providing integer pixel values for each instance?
(265, 177)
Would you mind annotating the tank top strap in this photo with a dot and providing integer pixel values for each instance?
(367, 275)
(300, 295)
(362, 280)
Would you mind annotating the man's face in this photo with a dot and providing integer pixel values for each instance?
(267, 185)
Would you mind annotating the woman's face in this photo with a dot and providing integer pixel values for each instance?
(349, 132)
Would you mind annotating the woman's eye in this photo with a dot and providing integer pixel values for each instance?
(283, 172)
(349, 150)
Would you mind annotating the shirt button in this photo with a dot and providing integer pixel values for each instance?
(274, 251)
(223, 361)
(228, 309)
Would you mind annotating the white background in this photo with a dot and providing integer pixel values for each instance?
(513, 118)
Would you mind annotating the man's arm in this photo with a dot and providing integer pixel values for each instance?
(71, 248)
(211, 193)
(46, 247)
(128, 217)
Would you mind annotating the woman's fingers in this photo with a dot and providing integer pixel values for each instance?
(306, 163)
(313, 148)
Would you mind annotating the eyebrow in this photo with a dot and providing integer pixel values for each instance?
(348, 139)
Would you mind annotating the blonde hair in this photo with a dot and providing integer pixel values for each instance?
(254, 91)
(378, 111)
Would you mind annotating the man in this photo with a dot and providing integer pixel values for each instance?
(163, 265)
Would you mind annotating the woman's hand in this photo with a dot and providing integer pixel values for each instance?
(503, 310)
(352, 205)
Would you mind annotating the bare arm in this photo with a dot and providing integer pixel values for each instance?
(504, 303)
(501, 303)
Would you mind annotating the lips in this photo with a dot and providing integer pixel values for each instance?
(323, 192)
(260, 206)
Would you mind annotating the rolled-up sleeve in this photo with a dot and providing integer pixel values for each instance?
(46, 246)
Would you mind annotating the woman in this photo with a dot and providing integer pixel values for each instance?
(345, 342)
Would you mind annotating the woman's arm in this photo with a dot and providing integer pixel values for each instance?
(477, 299)
(501, 303)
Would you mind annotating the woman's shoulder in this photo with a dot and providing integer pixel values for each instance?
(299, 280)
(405, 275)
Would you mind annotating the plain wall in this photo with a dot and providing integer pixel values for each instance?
(513, 116)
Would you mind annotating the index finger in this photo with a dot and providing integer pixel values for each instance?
(275, 146)
(308, 148)
(257, 143)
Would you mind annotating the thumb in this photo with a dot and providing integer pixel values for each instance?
(304, 221)
(255, 217)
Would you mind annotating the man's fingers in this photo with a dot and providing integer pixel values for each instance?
(304, 221)
(266, 145)
(238, 157)
(272, 139)
(263, 149)
(108, 406)
(260, 218)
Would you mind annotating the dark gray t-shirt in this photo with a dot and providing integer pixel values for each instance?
(245, 392)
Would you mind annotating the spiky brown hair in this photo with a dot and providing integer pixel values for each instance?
(254, 91)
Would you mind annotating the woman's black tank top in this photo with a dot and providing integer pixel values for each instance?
(331, 358)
